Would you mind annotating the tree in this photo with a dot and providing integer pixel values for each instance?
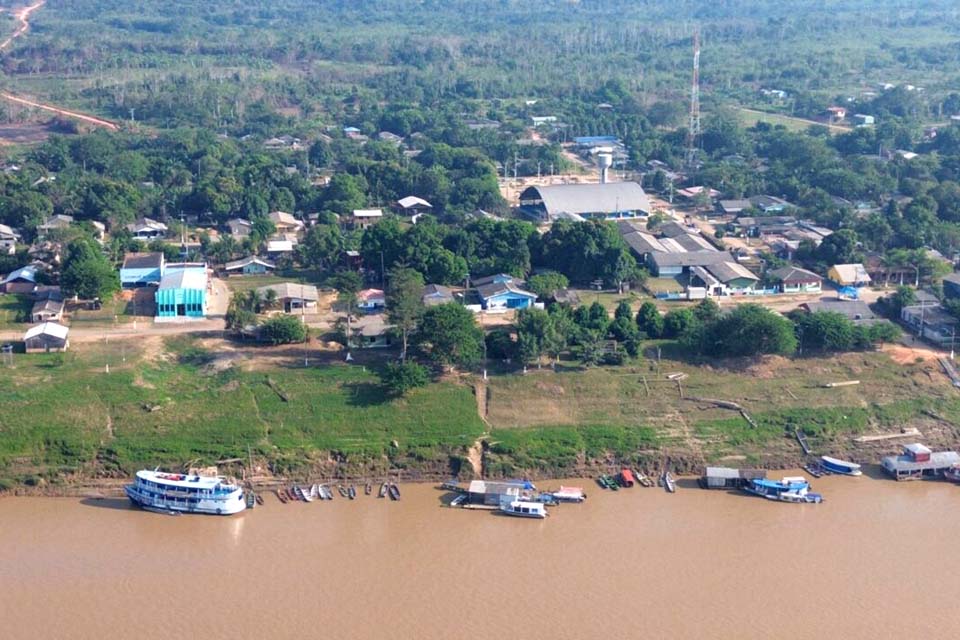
(500, 345)
(405, 303)
(283, 330)
(451, 336)
(649, 320)
(904, 296)
(840, 247)
(401, 377)
(546, 284)
(86, 271)
(320, 249)
(677, 322)
(533, 326)
(749, 330)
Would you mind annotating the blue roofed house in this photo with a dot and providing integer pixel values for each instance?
(497, 297)
(249, 266)
(141, 269)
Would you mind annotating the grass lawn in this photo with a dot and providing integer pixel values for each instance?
(750, 117)
(115, 311)
(63, 413)
(609, 299)
(663, 285)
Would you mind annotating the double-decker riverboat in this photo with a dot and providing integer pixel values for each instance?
(182, 493)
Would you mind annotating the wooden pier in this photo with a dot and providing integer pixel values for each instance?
(802, 439)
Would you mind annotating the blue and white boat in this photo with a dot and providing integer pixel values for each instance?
(183, 493)
(790, 489)
(523, 509)
(842, 467)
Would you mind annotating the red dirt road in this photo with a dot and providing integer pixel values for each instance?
(23, 15)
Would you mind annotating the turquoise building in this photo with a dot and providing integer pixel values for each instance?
(182, 293)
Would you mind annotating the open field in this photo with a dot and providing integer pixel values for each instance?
(12, 310)
(175, 402)
(576, 416)
(749, 117)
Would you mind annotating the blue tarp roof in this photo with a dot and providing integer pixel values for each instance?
(595, 139)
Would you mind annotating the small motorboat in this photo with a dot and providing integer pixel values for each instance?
(612, 484)
(367, 489)
(281, 496)
(259, 498)
(394, 491)
(547, 498)
(298, 494)
(643, 478)
(306, 493)
(352, 492)
(813, 469)
(250, 499)
(522, 509)
(383, 491)
(626, 478)
(342, 490)
(325, 492)
(291, 494)
(315, 492)
(953, 473)
(669, 482)
(833, 465)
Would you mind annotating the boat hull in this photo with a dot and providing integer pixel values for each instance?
(229, 506)
(840, 467)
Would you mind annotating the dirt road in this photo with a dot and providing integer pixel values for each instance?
(23, 15)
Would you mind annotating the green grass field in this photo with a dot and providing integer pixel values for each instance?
(62, 413)
(12, 310)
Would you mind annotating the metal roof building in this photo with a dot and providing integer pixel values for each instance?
(610, 200)
(182, 294)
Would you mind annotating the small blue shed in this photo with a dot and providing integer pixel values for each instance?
(503, 296)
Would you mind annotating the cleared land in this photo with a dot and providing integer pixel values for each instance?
(173, 402)
(581, 418)
(749, 117)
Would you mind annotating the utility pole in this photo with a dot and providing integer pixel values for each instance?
(693, 133)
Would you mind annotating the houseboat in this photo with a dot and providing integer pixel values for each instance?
(790, 489)
(181, 493)
(523, 509)
(918, 462)
(840, 466)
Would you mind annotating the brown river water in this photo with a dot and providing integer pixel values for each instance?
(877, 559)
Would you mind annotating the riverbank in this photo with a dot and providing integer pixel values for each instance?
(86, 420)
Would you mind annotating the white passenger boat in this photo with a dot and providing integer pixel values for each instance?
(182, 493)
(522, 509)
(570, 494)
(833, 465)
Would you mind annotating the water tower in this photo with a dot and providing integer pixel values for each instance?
(604, 162)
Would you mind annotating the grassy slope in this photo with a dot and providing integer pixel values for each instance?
(64, 413)
(608, 411)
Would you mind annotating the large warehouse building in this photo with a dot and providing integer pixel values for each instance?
(585, 201)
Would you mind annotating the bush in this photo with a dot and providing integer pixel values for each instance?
(500, 345)
(400, 377)
(283, 330)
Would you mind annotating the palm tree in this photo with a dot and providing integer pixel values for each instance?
(270, 298)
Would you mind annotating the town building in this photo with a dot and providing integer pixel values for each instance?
(856, 311)
(492, 494)
(372, 332)
(770, 205)
(284, 222)
(54, 223)
(239, 227)
(585, 201)
(499, 297)
(141, 269)
(734, 207)
(721, 279)
(412, 205)
(47, 308)
(371, 300)
(435, 294)
(792, 279)
(46, 337)
(293, 296)
(931, 322)
(251, 265)
(849, 275)
(182, 294)
(147, 229)
(9, 237)
(277, 248)
(23, 280)
(363, 218)
(862, 120)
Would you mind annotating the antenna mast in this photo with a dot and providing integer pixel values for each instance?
(693, 132)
